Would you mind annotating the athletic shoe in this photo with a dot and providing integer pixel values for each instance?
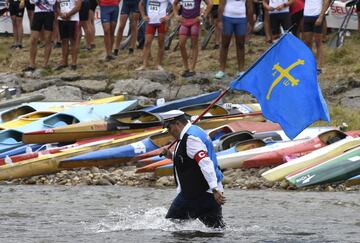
(220, 75)
(109, 58)
(216, 46)
(131, 51)
(28, 69)
(57, 45)
(61, 67)
(319, 71)
(116, 52)
(73, 67)
(187, 74)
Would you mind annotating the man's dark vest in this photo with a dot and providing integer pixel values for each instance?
(192, 181)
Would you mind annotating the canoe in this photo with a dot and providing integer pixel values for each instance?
(337, 169)
(73, 115)
(241, 146)
(315, 157)
(49, 163)
(179, 103)
(124, 122)
(280, 156)
(127, 153)
(353, 181)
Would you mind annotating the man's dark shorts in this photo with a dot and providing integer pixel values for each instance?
(43, 19)
(309, 25)
(84, 10)
(130, 6)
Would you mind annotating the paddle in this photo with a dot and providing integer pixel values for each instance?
(338, 39)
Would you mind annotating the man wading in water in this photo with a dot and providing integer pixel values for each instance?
(197, 175)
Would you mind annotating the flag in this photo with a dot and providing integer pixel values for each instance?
(284, 81)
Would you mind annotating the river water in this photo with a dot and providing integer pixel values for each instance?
(128, 214)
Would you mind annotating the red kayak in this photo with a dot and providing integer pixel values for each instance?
(279, 156)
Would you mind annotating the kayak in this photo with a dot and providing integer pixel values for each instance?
(280, 156)
(124, 122)
(353, 181)
(315, 157)
(337, 169)
(129, 152)
(12, 138)
(49, 163)
(165, 170)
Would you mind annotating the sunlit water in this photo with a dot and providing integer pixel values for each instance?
(127, 214)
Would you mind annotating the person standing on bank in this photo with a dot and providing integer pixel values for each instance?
(69, 29)
(314, 17)
(235, 18)
(197, 175)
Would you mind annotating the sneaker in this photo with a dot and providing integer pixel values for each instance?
(216, 46)
(73, 67)
(141, 68)
(57, 45)
(131, 51)
(18, 46)
(61, 67)
(187, 74)
(13, 46)
(116, 52)
(220, 75)
(109, 58)
(239, 74)
(160, 68)
(28, 69)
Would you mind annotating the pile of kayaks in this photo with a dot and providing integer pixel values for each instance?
(46, 137)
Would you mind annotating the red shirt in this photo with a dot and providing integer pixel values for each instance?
(297, 6)
(109, 2)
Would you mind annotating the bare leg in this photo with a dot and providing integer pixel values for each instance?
(48, 47)
(30, 16)
(65, 51)
(194, 51)
(319, 50)
(240, 52)
(225, 43)
(147, 46)
(19, 30)
(119, 34)
(112, 32)
(184, 56)
(267, 28)
(107, 38)
(91, 24)
(15, 29)
(33, 47)
(84, 25)
(75, 45)
(308, 39)
(161, 42)
(134, 31)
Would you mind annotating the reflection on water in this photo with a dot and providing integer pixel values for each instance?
(124, 214)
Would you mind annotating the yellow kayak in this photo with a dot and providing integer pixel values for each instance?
(36, 115)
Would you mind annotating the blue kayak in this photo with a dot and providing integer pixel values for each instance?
(21, 150)
(176, 104)
(12, 138)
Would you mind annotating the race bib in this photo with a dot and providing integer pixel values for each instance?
(65, 5)
(188, 4)
(154, 6)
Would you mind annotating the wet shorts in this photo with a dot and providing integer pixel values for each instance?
(84, 10)
(29, 6)
(151, 28)
(309, 25)
(190, 27)
(15, 10)
(93, 5)
(237, 26)
(43, 20)
(130, 6)
(68, 29)
(109, 14)
(279, 19)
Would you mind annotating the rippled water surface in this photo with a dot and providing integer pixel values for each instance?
(126, 214)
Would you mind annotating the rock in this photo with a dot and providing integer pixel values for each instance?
(182, 91)
(90, 86)
(284, 184)
(163, 181)
(103, 182)
(10, 80)
(31, 85)
(69, 76)
(33, 75)
(61, 93)
(156, 76)
(226, 180)
(138, 87)
(95, 170)
(351, 98)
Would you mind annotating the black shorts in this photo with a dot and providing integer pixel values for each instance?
(84, 10)
(214, 11)
(68, 29)
(43, 20)
(29, 6)
(278, 19)
(15, 10)
(309, 25)
(93, 4)
(130, 6)
(296, 19)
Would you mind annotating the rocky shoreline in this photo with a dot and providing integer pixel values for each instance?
(242, 179)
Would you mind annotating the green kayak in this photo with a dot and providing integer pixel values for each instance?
(336, 169)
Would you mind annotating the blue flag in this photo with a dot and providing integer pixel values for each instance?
(284, 81)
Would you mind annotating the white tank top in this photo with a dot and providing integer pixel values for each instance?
(235, 9)
(312, 7)
(276, 3)
(156, 9)
(66, 6)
